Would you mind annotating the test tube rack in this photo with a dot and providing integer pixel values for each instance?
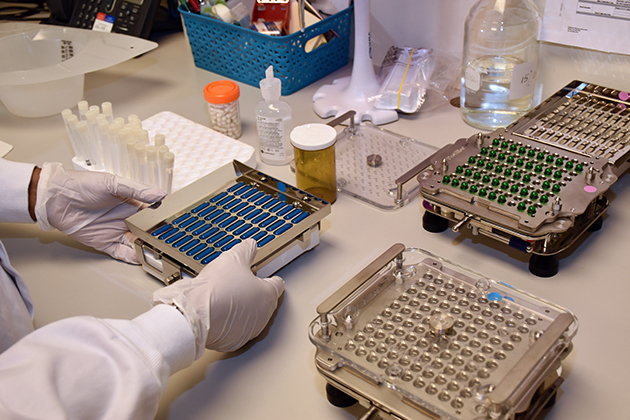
(414, 336)
(191, 227)
(537, 185)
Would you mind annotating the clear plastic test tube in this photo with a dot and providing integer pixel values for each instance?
(159, 140)
(167, 167)
(89, 145)
(141, 158)
(105, 141)
(83, 107)
(132, 163)
(70, 120)
(152, 166)
(106, 108)
(123, 160)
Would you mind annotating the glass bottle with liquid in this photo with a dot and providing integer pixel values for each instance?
(500, 62)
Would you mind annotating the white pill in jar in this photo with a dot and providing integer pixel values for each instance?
(223, 109)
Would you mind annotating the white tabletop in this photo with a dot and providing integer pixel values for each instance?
(274, 377)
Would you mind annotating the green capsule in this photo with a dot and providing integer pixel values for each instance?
(579, 167)
(472, 159)
(489, 166)
(557, 174)
(477, 175)
(464, 186)
(505, 185)
(496, 182)
(492, 195)
(517, 175)
(455, 182)
(540, 156)
(531, 210)
(538, 168)
(546, 185)
(492, 154)
(513, 147)
(446, 179)
(531, 153)
(507, 172)
(529, 166)
(544, 199)
(524, 192)
(521, 206)
(501, 156)
(501, 199)
(481, 162)
(459, 169)
(496, 142)
(485, 179)
(569, 165)
(514, 189)
(484, 150)
(534, 195)
(468, 172)
(473, 189)
(549, 159)
(559, 162)
(520, 162)
(527, 178)
(482, 192)
(555, 188)
(548, 171)
(510, 160)
(504, 144)
(522, 150)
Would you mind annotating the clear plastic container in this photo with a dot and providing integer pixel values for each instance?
(314, 150)
(223, 108)
(500, 62)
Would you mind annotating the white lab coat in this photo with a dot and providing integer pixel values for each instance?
(81, 367)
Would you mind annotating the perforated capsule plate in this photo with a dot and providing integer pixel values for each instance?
(448, 342)
(369, 161)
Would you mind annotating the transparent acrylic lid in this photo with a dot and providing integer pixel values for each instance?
(450, 342)
(370, 159)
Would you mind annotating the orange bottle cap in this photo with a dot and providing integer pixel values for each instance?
(221, 92)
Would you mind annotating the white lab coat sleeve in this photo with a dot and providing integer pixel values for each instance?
(89, 368)
(14, 180)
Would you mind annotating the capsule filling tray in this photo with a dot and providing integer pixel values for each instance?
(445, 341)
(194, 225)
(537, 175)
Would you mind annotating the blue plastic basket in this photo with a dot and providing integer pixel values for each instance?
(243, 54)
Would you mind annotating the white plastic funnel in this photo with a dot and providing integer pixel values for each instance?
(43, 68)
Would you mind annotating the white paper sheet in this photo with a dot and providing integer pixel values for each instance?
(602, 25)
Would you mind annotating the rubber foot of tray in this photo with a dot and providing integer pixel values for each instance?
(433, 223)
(339, 398)
(543, 265)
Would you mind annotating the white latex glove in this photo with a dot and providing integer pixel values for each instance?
(226, 305)
(91, 207)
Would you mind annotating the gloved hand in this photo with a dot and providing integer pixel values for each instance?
(90, 207)
(226, 305)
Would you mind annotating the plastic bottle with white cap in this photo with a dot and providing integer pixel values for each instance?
(273, 123)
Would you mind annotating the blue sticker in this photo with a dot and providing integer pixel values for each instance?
(282, 187)
(495, 296)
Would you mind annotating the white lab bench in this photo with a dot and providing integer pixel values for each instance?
(274, 377)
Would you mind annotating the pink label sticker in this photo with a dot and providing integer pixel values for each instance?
(623, 96)
(590, 189)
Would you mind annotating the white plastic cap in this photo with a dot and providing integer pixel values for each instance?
(316, 136)
(270, 87)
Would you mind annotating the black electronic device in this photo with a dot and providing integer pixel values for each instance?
(130, 17)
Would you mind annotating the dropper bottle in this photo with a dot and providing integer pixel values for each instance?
(273, 123)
